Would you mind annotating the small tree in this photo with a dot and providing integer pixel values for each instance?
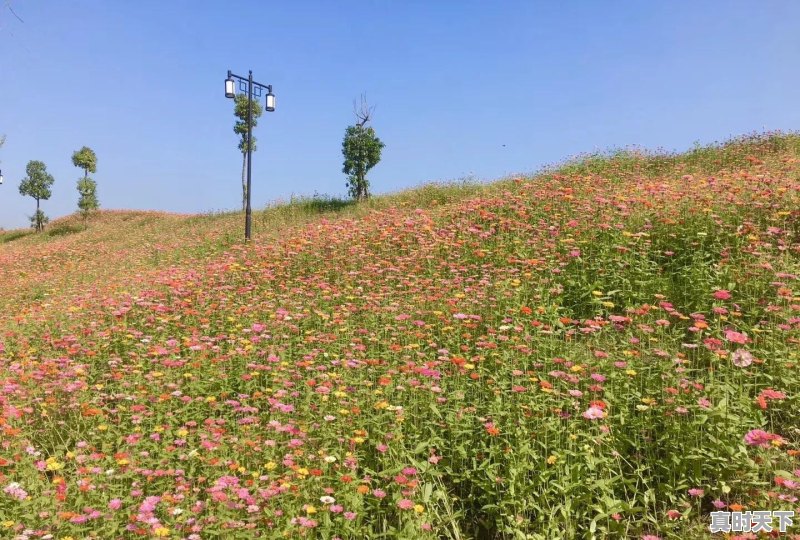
(87, 203)
(37, 185)
(86, 159)
(240, 128)
(362, 151)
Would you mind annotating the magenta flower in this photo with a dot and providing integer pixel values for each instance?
(696, 492)
(761, 438)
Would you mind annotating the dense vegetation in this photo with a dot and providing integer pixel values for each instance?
(608, 349)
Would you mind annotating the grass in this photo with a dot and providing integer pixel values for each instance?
(606, 349)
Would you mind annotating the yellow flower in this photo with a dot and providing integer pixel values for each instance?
(418, 508)
(630, 372)
(607, 304)
(310, 510)
(183, 432)
(8, 524)
(552, 459)
(161, 532)
(271, 466)
(53, 465)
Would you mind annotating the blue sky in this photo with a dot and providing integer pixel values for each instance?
(453, 81)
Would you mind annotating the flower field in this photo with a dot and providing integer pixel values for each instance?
(608, 349)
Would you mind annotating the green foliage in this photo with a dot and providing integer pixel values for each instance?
(37, 185)
(240, 105)
(10, 236)
(85, 159)
(87, 203)
(64, 229)
(361, 149)
(240, 127)
(38, 220)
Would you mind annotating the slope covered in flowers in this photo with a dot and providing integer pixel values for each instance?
(609, 350)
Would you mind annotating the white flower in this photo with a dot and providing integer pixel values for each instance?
(327, 499)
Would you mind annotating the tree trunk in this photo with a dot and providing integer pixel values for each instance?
(38, 218)
(244, 181)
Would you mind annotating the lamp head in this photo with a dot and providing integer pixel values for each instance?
(270, 105)
(230, 90)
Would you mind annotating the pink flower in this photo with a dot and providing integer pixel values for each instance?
(115, 504)
(722, 294)
(718, 504)
(741, 358)
(15, 490)
(696, 492)
(593, 413)
(350, 516)
(405, 504)
(736, 337)
(379, 493)
(651, 537)
(759, 437)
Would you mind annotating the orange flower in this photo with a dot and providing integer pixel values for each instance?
(362, 489)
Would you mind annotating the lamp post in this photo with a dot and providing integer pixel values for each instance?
(1, 177)
(252, 88)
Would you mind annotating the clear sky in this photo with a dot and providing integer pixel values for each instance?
(141, 82)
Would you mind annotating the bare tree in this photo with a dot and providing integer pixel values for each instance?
(362, 111)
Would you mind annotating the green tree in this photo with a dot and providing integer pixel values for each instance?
(86, 159)
(87, 203)
(361, 149)
(37, 185)
(240, 128)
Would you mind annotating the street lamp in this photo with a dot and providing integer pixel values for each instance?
(1, 177)
(252, 88)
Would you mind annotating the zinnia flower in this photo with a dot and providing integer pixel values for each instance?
(736, 337)
(722, 294)
(593, 413)
(759, 437)
(741, 358)
(405, 504)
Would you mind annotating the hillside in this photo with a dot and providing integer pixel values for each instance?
(608, 349)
